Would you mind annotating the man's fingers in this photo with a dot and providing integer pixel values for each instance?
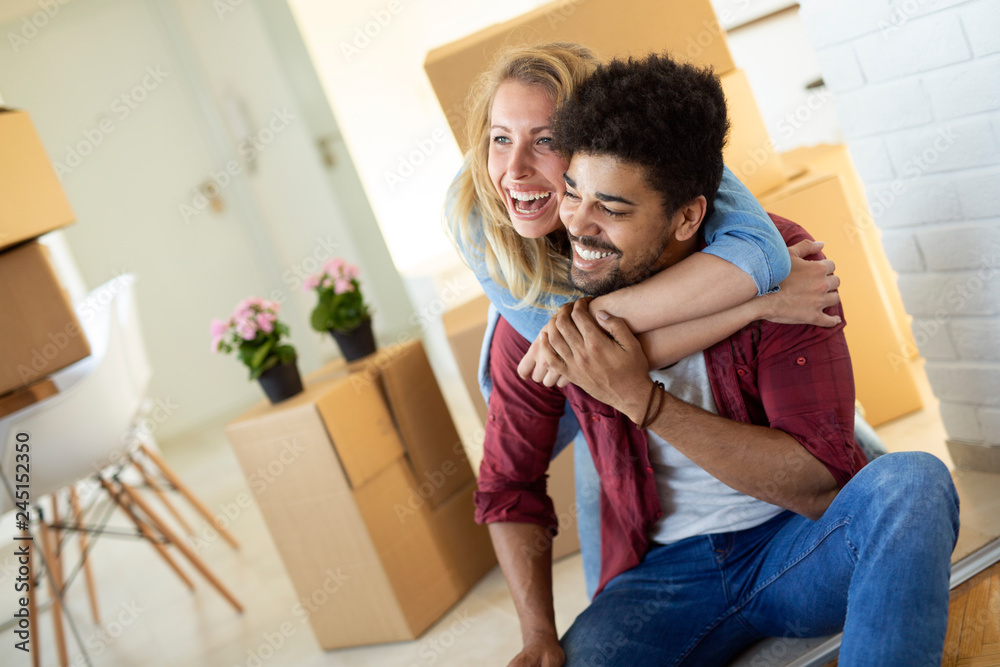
(616, 328)
(805, 248)
(560, 345)
(567, 325)
(827, 321)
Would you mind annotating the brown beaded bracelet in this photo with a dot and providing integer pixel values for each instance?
(652, 412)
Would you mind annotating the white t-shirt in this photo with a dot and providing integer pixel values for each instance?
(694, 502)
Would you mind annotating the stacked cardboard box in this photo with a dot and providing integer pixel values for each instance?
(465, 326)
(367, 493)
(40, 333)
(821, 202)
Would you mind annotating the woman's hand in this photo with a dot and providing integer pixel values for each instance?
(600, 356)
(533, 366)
(810, 288)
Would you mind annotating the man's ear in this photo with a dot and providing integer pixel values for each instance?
(693, 213)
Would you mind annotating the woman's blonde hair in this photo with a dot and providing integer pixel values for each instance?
(476, 217)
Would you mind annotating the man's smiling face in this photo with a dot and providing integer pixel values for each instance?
(617, 225)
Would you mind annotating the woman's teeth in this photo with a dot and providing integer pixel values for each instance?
(519, 197)
(590, 255)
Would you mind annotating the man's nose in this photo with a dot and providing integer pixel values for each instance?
(580, 222)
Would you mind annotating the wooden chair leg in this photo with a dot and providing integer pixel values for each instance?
(186, 492)
(161, 494)
(36, 656)
(55, 588)
(146, 532)
(179, 543)
(88, 574)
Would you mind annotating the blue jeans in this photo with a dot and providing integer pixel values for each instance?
(588, 505)
(877, 565)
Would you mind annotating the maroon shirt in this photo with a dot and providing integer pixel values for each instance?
(796, 378)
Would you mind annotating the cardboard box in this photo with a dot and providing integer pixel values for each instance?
(371, 559)
(19, 399)
(836, 158)
(688, 29)
(32, 201)
(749, 153)
(432, 443)
(40, 333)
(465, 326)
(883, 380)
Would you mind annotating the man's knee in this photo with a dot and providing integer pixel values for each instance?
(911, 480)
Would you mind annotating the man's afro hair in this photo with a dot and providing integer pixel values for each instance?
(666, 116)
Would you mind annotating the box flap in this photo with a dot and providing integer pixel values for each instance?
(32, 201)
(425, 424)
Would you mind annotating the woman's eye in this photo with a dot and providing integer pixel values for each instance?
(501, 140)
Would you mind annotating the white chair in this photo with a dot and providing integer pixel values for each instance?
(86, 431)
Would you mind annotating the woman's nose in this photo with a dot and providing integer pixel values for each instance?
(521, 164)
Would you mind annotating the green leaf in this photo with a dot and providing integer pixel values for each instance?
(258, 357)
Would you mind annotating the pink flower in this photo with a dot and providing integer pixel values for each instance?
(342, 285)
(266, 322)
(219, 328)
(272, 306)
(351, 271)
(312, 282)
(333, 266)
(246, 330)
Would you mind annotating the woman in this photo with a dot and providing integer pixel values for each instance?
(503, 216)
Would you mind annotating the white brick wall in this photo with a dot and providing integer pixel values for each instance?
(980, 22)
(917, 85)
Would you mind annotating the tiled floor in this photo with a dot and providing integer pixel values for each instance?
(150, 619)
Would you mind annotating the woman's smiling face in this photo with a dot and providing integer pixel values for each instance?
(524, 166)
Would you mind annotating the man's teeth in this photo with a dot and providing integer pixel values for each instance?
(590, 255)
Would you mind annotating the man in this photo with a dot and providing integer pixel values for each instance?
(735, 503)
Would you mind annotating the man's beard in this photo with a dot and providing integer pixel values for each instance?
(617, 279)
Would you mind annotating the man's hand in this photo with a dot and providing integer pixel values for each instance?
(602, 357)
(542, 653)
(806, 292)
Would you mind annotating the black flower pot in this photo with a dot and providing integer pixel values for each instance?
(356, 343)
(281, 382)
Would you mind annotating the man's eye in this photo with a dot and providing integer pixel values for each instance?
(613, 214)
(571, 195)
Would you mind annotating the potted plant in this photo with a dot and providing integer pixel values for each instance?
(341, 308)
(254, 333)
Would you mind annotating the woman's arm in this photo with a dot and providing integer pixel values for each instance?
(809, 289)
(745, 256)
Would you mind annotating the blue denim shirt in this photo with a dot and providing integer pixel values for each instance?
(738, 231)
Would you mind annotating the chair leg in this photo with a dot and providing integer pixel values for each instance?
(88, 574)
(186, 492)
(55, 587)
(161, 494)
(146, 532)
(36, 656)
(179, 543)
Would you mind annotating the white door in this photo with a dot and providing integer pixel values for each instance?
(122, 122)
